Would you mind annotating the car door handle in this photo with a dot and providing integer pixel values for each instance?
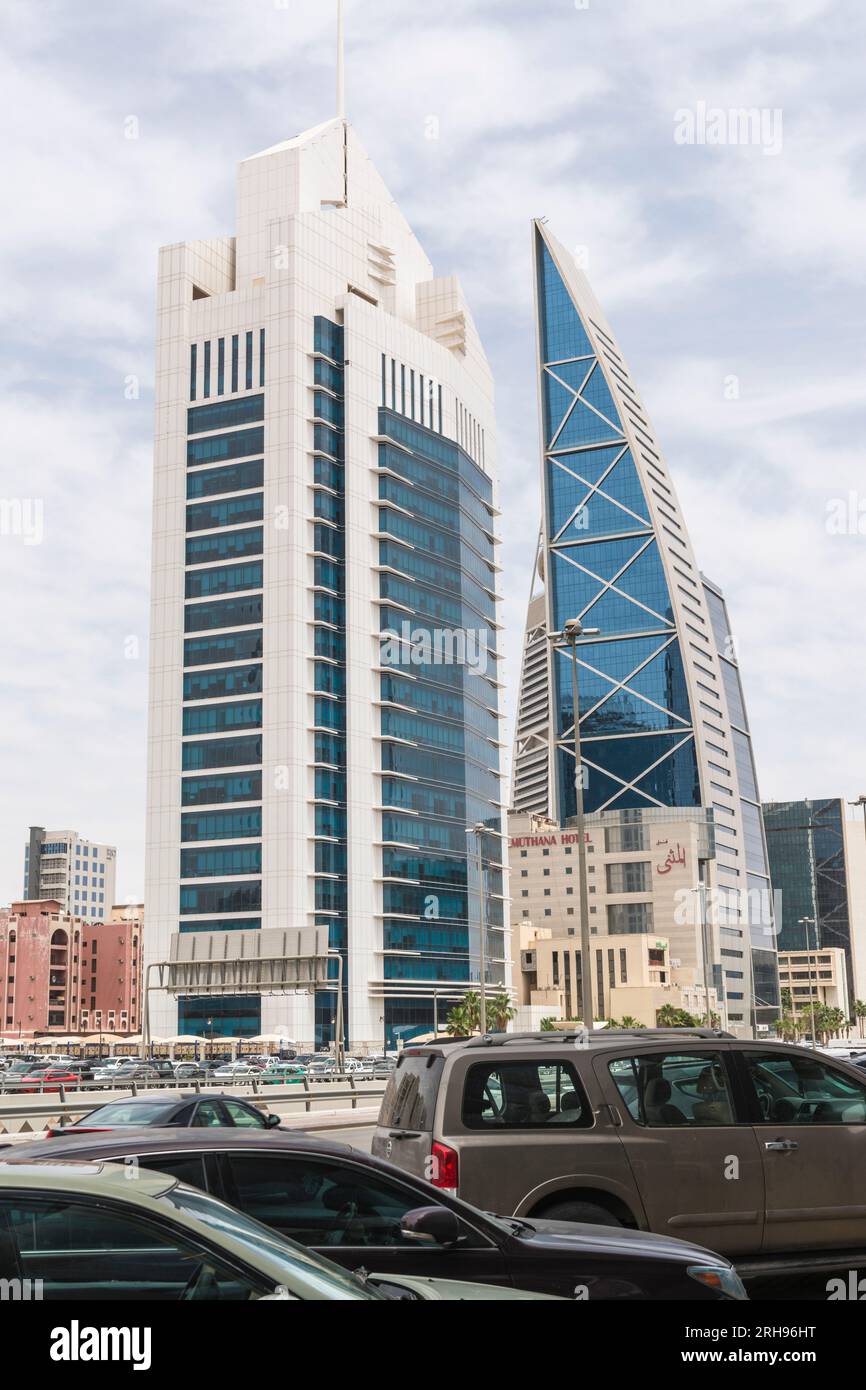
(404, 1133)
(781, 1145)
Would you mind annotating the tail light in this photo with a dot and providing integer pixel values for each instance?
(445, 1167)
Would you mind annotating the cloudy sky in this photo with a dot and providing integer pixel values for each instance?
(733, 274)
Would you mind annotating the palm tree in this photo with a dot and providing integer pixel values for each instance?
(859, 1014)
(464, 1018)
(499, 1011)
(629, 1022)
(669, 1016)
(457, 1024)
(547, 1025)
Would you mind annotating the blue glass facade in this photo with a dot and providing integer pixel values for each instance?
(436, 621)
(809, 872)
(636, 727)
(329, 545)
(220, 883)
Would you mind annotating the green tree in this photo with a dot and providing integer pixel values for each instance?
(499, 1011)
(859, 1014)
(465, 1017)
(547, 1025)
(457, 1024)
(669, 1016)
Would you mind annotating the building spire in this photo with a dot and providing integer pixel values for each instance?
(341, 62)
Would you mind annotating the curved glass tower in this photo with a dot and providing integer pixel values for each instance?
(662, 718)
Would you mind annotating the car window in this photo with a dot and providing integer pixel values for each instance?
(81, 1249)
(324, 1204)
(675, 1089)
(187, 1168)
(208, 1112)
(123, 1112)
(244, 1116)
(799, 1090)
(410, 1096)
(524, 1095)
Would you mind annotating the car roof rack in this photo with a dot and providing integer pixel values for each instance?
(598, 1035)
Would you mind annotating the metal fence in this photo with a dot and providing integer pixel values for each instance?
(18, 1112)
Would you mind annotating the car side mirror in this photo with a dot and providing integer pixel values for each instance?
(431, 1226)
(271, 1121)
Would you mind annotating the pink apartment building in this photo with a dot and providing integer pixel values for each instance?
(66, 976)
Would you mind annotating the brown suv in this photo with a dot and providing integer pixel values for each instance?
(750, 1148)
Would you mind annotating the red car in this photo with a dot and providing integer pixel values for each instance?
(48, 1079)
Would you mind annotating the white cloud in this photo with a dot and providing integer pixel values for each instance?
(711, 262)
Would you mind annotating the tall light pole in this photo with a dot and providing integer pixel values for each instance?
(807, 922)
(478, 831)
(567, 640)
(341, 61)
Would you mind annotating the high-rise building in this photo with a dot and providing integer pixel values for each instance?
(324, 707)
(813, 848)
(662, 716)
(77, 873)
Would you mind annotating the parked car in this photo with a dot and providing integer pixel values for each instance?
(360, 1211)
(18, 1070)
(106, 1071)
(48, 1079)
(232, 1070)
(85, 1232)
(189, 1071)
(133, 1071)
(288, 1074)
(198, 1111)
(642, 1129)
(323, 1069)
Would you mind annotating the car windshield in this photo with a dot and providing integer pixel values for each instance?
(124, 1112)
(303, 1273)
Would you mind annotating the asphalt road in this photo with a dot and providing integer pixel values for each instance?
(358, 1136)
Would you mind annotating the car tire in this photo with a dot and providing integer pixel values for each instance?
(580, 1211)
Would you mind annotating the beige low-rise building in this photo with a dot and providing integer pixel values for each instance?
(632, 977)
(662, 932)
(820, 975)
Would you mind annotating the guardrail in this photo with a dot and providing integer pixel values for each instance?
(16, 1113)
(255, 1079)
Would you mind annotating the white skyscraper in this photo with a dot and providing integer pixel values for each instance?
(79, 873)
(324, 474)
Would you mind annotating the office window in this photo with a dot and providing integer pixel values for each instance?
(234, 362)
(623, 967)
(206, 388)
(225, 414)
(249, 362)
(193, 363)
(629, 878)
(261, 357)
(221, 366)
(629, 918)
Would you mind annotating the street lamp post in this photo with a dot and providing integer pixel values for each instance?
(568, 638)
(478, 831)
(807, 922)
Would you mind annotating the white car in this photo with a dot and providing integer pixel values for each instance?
(235, 1069)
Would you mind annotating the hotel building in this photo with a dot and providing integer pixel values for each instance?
(662, 717)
